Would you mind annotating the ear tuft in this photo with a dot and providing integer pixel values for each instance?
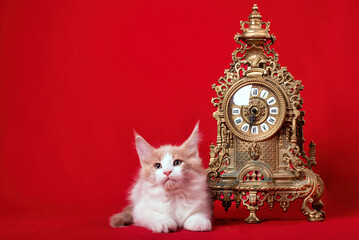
(191, 144)
(144, 149)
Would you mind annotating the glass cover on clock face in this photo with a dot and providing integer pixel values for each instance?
(255, 111)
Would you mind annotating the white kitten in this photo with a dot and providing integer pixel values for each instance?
(171, 191)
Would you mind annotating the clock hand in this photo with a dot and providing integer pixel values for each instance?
(252, 117)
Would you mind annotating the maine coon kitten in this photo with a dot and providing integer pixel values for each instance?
(171, 191)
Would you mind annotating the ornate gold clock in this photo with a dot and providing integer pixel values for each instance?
(259, 155)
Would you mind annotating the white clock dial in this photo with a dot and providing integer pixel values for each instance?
(241, 97)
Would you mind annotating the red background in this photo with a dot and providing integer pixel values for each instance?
(76, 77)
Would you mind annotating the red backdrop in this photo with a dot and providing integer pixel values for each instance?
(76, 77)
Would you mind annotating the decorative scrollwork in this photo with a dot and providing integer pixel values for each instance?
(292, 87)
(243, 45)
(219, 159)
(270, 51)
(224, 84)
(217, 154)
(284, 199)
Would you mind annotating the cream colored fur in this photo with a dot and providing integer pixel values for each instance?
(172, 196)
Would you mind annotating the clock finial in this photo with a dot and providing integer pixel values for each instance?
(255, 14)
(254, 34)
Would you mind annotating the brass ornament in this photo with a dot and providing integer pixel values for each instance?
(259, 156)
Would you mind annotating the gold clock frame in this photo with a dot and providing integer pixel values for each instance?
(260, 81)
(273, 169)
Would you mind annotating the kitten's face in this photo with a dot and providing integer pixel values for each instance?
(169, 166)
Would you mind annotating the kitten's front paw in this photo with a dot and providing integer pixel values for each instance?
(164, 226)
(117, 221)
(198, 223)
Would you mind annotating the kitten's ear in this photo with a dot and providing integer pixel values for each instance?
(191, 144)
(144, 149)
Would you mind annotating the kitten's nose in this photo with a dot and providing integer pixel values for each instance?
(167, 173)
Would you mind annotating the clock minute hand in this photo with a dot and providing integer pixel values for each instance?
(251, 119)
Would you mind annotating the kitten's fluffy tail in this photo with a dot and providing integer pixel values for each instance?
(123, 218)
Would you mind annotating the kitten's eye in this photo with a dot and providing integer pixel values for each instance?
(177, 162)
(157, 166)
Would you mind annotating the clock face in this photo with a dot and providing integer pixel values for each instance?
(255, 110)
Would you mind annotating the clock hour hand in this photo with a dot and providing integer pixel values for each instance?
(252, 117)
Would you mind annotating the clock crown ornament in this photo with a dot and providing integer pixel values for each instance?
(255, 42)
(259, 154)
(254, 34)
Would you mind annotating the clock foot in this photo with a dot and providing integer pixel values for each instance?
(312, 205)
(318, 219)
(317, 215)
(252, 218)
(253, 202)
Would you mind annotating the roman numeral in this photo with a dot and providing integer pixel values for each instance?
(245, 127)
(254, 130)
(273, 110)
(271, 101)
(238, 120)
(236, 111)
(271, 120)
(264, 127)
(254, 91)
(264, 94)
